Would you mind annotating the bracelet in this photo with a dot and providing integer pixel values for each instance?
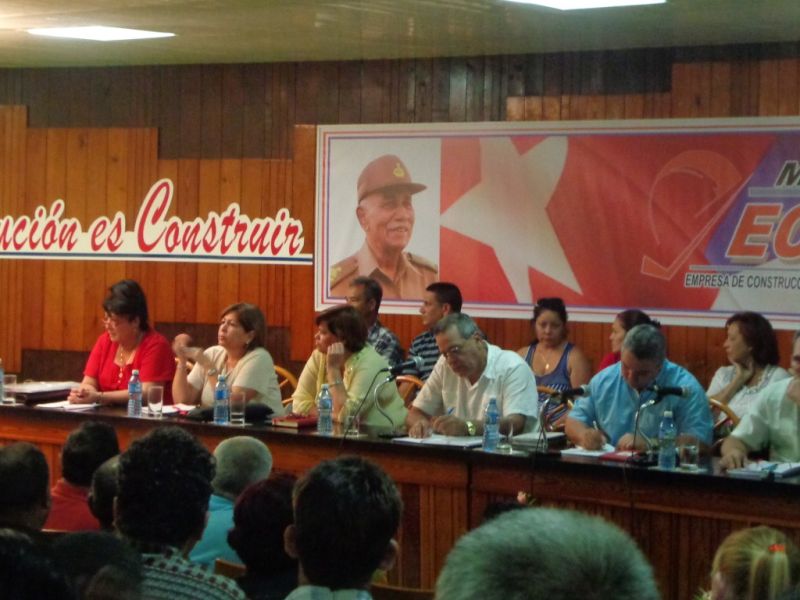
(212, 371)
(338, 382)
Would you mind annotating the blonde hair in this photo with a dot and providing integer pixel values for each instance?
(760, 563)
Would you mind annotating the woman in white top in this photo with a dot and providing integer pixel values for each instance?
(752, 350)
(240, 356)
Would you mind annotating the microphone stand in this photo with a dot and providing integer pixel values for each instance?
(646, 458)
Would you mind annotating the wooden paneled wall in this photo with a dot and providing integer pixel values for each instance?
(99, 136)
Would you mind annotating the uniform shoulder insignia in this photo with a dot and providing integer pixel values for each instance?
(344, 268)
(424, 263)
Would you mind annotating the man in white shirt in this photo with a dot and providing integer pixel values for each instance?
(469, 373)
(772, 423)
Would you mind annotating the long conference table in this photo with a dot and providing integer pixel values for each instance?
(677, 518)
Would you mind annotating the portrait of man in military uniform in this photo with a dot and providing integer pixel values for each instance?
(385, 212)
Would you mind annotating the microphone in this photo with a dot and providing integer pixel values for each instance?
(661, 391)
(415, 362)
(581, 390)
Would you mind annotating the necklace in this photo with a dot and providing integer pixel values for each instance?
(541, 355)
(124, 356)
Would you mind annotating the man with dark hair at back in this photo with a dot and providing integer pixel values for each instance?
(85, 450)
(439, 300)
(24, 487)
(546, 554)
(103, 491)
(164, 487)
(346, 513)
(365, 295)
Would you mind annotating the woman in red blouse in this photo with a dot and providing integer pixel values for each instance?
(128, 343)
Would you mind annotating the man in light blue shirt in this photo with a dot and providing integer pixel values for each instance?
(608, 413)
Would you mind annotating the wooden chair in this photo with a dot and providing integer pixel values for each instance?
(287, 384)
(228, 569)
(716, 405)
(384, 591)
(552, 424)
(408, 386)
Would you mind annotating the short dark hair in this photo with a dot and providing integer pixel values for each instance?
(346, 511)
(446, 293)
(758, 333)
(261, 514)
(554, 304)
(86, 448)
(347, 324)
(28, 572)
(164, 487)
(252, 319)
(126, 299)
(554, 554)
(24, 477)
(372, 289)
(104, 489)
(633, 316)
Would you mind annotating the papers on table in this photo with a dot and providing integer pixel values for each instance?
(436, 439)
(65, 405)
(763, 469)
(578, 451)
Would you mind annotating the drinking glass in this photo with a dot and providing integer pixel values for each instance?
(155, 401)
(689, 455)
(352, 424)
(504, 445)
(8, 394)
(237, 404)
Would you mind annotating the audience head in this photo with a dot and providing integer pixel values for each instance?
(644, 350)
(750, 335)
(86, 448)
(252, 321)
(102, 492)
(96, 561)
(795, 360)
(126, 301)
(27, 571)
(759, 563)
(341, 324)
(546, 554)
(164, 488)
(346, 512)
(624, 322)
(365, 295)
(550, 321)
(240, 461)
(439, 300)
(262, 514)
(24, 486)
(461, 343)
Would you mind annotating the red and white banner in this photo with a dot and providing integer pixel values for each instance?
(229, 236)
(688, 220)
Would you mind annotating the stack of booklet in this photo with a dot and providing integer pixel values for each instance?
(765, 469)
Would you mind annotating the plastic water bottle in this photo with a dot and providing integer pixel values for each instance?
(222, 401)
(491, 426)
(135, 395)
(666, 442)
(324, 411)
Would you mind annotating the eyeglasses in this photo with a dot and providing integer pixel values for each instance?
(455, 351)
(113, 319)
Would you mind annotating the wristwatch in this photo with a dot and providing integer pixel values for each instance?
(212, 371)
(470, 427)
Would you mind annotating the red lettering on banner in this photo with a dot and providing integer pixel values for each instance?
(221, 234)
(96, 232)
(750, 240)
(21, 234)
(785, 248)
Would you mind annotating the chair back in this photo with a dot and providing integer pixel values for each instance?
(384, 591)
(717, 406)
(228, 569)
(408, 386)
(287, 383)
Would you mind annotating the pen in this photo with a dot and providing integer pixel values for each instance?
(451, 410)
(598, 428)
